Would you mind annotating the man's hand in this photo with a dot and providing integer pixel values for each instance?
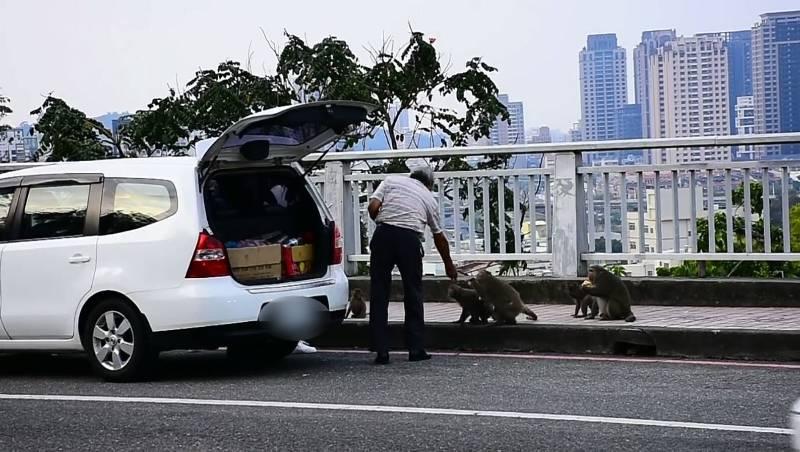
(451, 271)
(440, 240)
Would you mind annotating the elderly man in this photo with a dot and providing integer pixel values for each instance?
(402, 207)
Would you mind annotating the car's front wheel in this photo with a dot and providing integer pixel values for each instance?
(117, 341)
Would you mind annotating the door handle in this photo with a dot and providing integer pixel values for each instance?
(79, 259)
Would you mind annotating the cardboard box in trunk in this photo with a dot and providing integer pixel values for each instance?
(256, 263)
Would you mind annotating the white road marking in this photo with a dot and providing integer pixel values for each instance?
(592, 358)
(398, 409)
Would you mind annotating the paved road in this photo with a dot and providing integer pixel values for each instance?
(196, 404)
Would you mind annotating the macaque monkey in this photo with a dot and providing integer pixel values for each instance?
(609, 292)
(357, 305)
(472, 305)
(505, 300)
(583, 302)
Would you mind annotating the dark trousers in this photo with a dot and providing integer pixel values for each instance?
(392, 246)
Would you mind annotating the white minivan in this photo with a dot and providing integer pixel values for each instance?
(126, 258)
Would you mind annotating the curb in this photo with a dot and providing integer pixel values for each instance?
(761, 345)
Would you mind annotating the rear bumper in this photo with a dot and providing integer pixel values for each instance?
(212, 337)
(222, 302)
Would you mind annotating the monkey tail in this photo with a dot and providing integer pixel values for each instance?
(630, 318)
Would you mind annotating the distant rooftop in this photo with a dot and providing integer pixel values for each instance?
(607, 41)
(781, 14)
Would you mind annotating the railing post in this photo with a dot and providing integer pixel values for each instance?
(339, 199)
(569, 216)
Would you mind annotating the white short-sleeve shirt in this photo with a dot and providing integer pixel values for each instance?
(407, 203)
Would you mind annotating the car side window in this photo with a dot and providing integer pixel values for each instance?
(54, 211)
(6, 197)
(130, 204)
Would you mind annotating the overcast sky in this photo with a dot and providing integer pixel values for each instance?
(103, 56)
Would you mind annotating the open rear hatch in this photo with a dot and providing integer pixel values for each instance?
(262, 210)
(285, 134)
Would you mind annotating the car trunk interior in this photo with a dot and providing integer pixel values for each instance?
(268, 210)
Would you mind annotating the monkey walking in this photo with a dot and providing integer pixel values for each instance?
(609, 292)
(357, 305)
(505, 300)
(472, 305)
(583, 303)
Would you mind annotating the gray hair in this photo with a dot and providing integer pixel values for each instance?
(423, 174)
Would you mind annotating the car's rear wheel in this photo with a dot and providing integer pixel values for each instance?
(117, 341)
(259, 353)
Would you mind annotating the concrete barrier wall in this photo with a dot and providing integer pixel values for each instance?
(645, 291)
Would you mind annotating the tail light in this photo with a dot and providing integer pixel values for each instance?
(209, 260)
(338, 245)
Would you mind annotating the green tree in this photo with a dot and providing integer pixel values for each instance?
(162, 129)
(410, 78)
(67, 134)
(212, 101)
(216, 99)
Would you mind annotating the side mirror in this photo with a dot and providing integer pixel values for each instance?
(255, 150)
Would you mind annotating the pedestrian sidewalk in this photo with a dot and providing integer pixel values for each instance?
(713, 318)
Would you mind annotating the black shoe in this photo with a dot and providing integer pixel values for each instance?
(382, 359)
(419, 356)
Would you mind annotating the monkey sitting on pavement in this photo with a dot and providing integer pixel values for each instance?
(583, 302)
(504, 299)
(609, 292)
(357, 305)
(472, 305)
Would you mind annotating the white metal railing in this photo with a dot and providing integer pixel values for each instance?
(699, 180)
(570, 214)
(464, 207)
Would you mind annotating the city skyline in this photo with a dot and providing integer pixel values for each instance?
(98, 66)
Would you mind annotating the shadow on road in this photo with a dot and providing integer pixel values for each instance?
(171, 366)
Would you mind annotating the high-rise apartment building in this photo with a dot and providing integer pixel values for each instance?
(118, 123)
(745, 116)
(403, 124)
(745, 123)
(740, 67)
(651, 41)
(513, 131)
(689, 96)
(776, 76)
(575, 134)
(604, 86)
(629, 122)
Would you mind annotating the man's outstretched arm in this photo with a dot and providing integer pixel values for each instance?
(443, 247)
